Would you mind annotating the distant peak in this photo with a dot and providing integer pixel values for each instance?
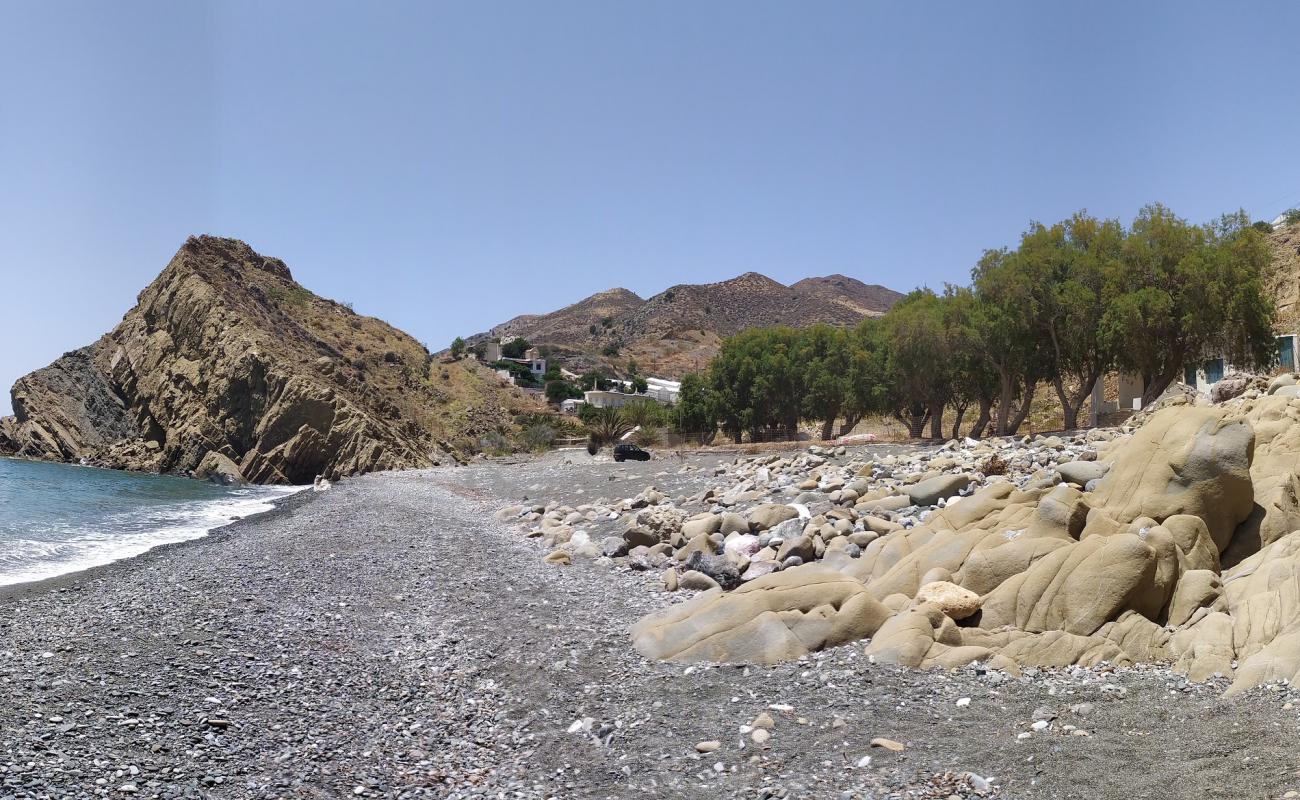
(753, 278)
(232, 254)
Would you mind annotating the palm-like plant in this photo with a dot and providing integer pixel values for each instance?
(606, 425)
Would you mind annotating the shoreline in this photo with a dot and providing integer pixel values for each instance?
(388, 638)
(66, 581)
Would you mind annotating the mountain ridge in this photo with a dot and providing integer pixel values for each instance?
(680, 328)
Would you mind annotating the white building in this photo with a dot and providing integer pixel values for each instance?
(664, 391)
(571, 405)
(606, 399)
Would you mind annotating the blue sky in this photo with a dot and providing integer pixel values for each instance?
(447, 166)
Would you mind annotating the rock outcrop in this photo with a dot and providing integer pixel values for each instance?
(228, 367)
(1177, 541)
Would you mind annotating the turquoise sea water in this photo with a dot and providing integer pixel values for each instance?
(57, 518)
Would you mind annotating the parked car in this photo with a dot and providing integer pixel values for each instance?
(623, 452)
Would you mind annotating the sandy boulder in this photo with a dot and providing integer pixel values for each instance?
(953, 600)
(777, 617)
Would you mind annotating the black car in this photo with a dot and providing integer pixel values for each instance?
(622, 452)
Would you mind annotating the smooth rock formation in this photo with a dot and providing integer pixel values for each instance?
(1186, 551)
(777, 617)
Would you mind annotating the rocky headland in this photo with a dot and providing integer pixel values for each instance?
(229, 368)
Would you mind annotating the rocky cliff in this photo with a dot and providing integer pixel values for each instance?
(226, 365)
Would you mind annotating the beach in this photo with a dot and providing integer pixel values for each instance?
(390, 638)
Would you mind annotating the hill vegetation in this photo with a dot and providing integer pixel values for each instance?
(1071, 302)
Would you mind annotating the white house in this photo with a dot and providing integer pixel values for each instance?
(601, 398)
(664, 391)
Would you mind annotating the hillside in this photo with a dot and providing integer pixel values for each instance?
(680, 328)
(1283, 278)
(227, 364)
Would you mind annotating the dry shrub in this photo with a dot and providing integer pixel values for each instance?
(994, 465)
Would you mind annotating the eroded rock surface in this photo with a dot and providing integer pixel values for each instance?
(225, 354)
(1177, 541)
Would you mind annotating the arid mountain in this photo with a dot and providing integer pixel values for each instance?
(227, 365)
(680, 328)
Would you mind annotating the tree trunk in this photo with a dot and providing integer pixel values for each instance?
(982, 421)
(960, 411)
(1069, 407)
(936, 422)
(915, 423)
(1026, 401)
(1157, 385)
(1006, 391)
(850, 422)
(828, 429)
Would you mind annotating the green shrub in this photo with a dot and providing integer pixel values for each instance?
(648, 437)
(537, 437)
(1291, 216)
(494, 443)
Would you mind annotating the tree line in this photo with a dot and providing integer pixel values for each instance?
(1071, 302)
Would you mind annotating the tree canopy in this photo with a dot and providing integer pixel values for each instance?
(1071, 302)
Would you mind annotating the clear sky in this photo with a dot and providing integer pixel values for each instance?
(446, 166)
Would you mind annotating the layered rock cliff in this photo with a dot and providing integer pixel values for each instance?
(226, 363)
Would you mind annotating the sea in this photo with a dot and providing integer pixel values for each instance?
(59, 518)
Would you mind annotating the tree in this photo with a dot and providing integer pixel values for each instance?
(867, 389)
(515, 348)
(973, 378)
(457, 348)
(1004, 318)
(1057, 276)
(697, 408)
(823, 354)
(1185, 292)
(560, 390)
(639, 384)
(918, 368)
(593, 381)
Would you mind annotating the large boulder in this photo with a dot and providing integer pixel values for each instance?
(1184, 460)
(1082, 472)
(1079, 588)
(769, 515)
(218, 468)
(931, 491)
(778, 617)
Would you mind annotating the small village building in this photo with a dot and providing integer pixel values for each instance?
(601, 398)
(571, 405)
